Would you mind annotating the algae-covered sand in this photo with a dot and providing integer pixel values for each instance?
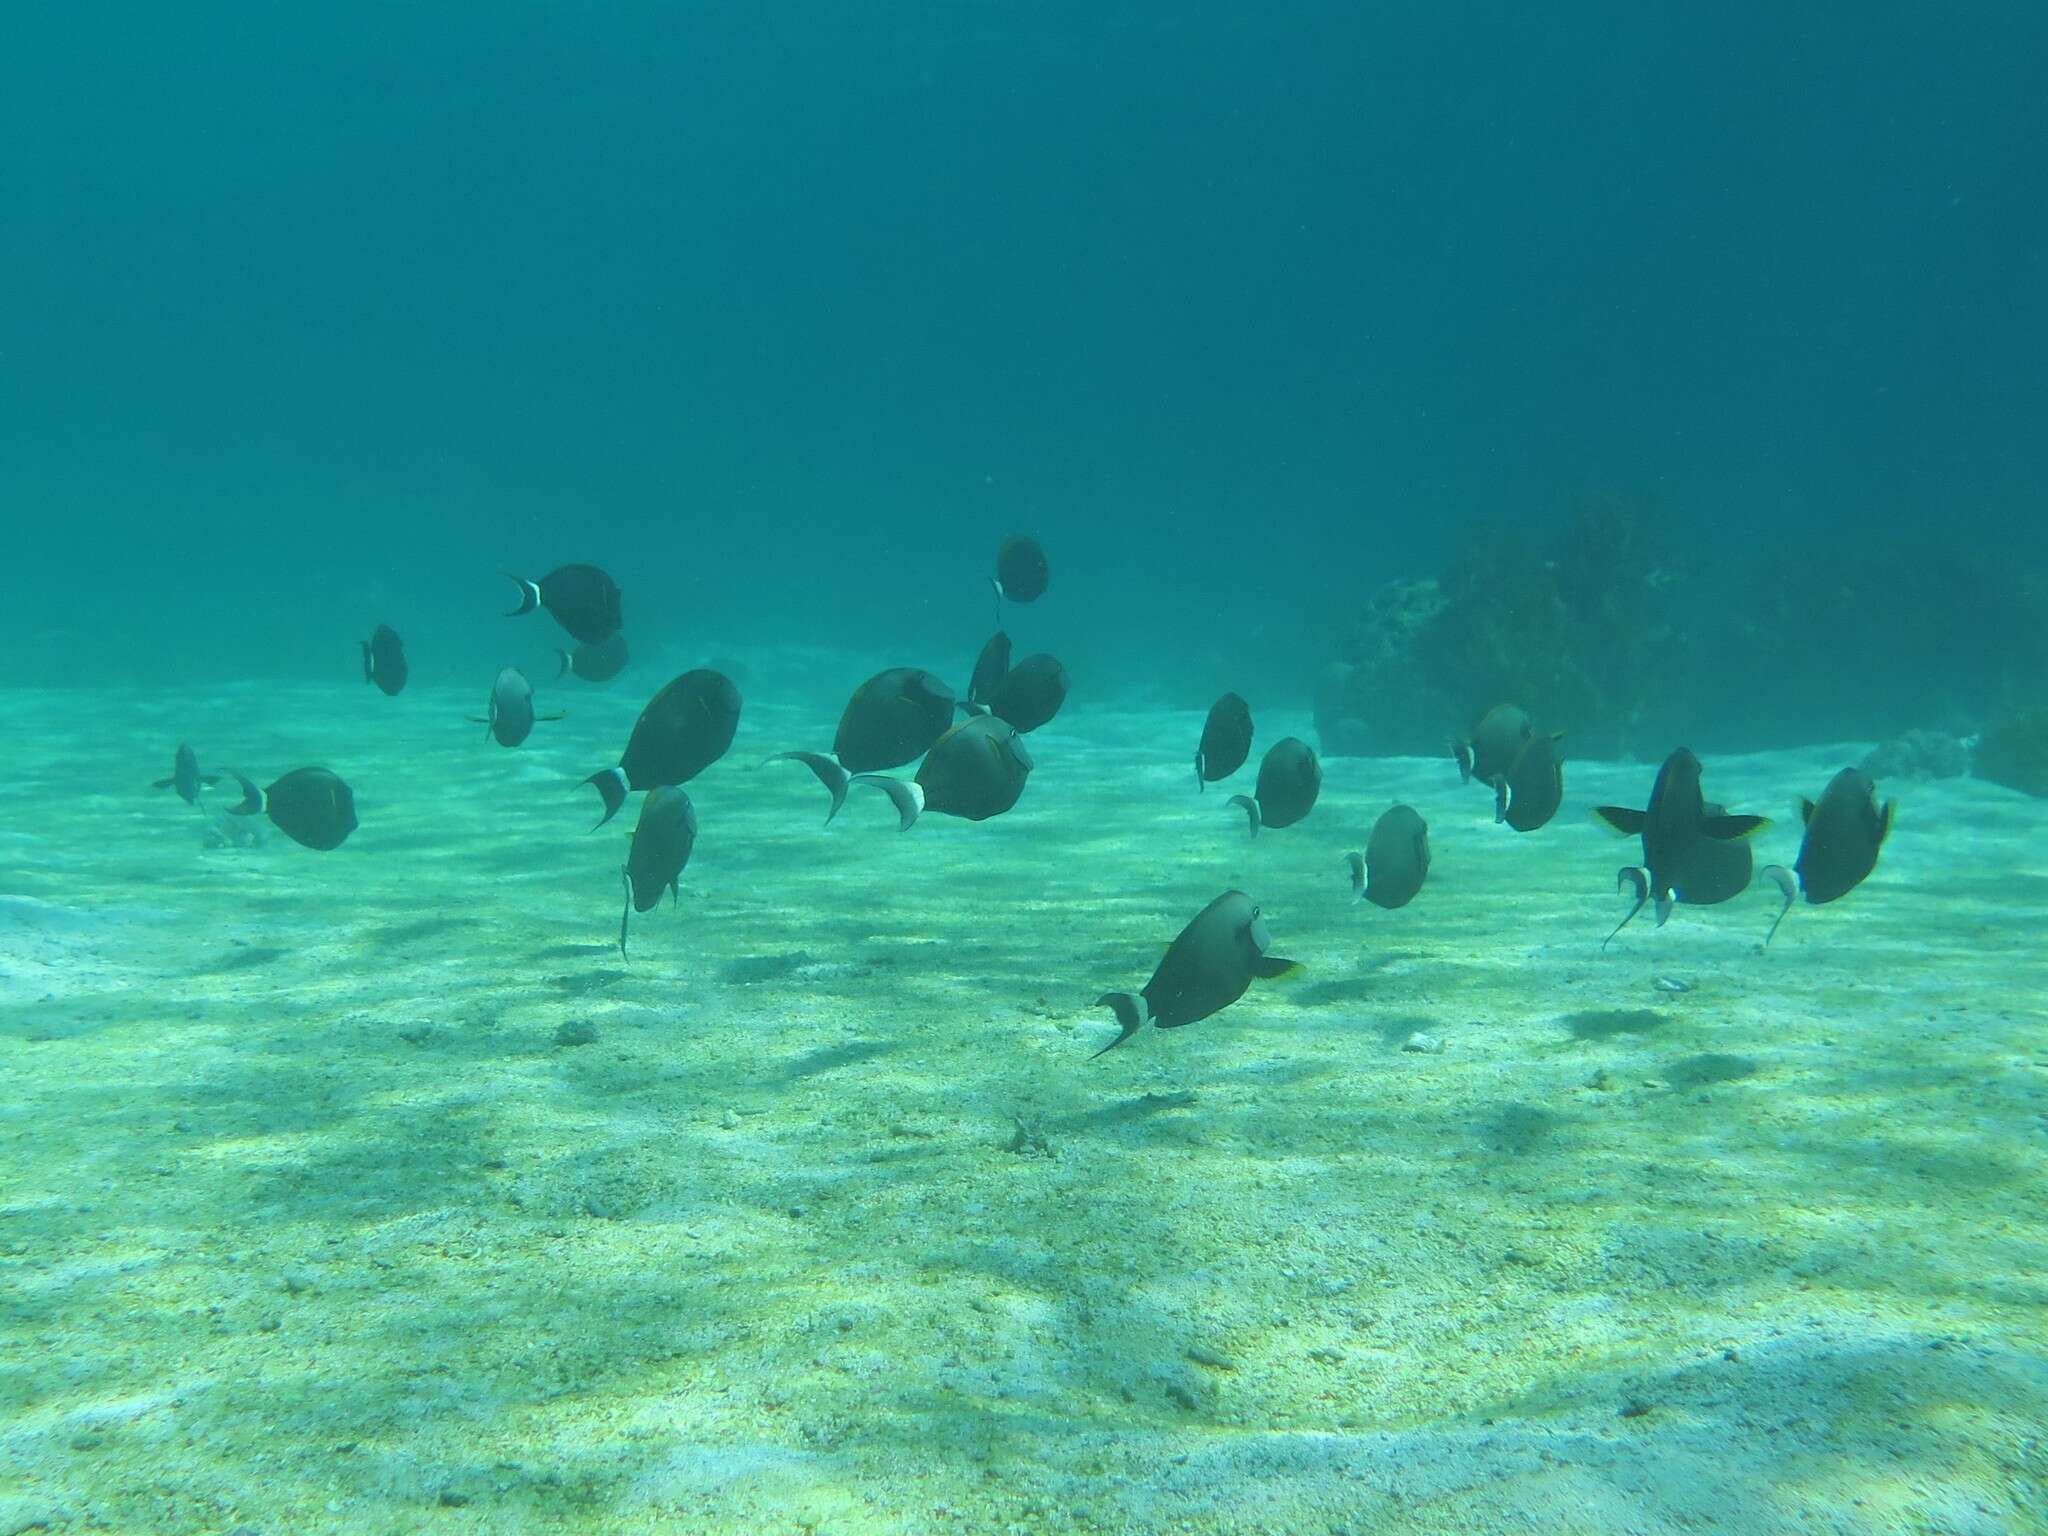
(317, 1217)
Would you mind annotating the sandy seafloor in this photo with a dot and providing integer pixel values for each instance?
(310, 1224)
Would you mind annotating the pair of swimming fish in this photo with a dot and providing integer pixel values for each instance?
(973, 770)
(1696, 852)
(1520, 764)
(312, 806)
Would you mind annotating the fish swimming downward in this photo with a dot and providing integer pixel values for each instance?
(1210, 965)
(662, 841)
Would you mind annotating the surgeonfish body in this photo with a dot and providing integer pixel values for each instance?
(1209, 966)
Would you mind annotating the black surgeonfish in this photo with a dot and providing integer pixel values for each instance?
(185, 777)
(1208, 967)
(989, 668)
(1674, 828)
(1843, 835)
(1290, 778)
(684, 729)
(1021, 572)
(384, 660)
(662, 840)
(1533, 788)
(511, 718)
(1489, 753)
(975, 771)
(1396, 859)
(598, 663)
(1226, 740)
(893, 718)
(311, 806)
(1030, 693)
(580, 598)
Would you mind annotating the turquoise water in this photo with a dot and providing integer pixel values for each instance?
(1675, 378)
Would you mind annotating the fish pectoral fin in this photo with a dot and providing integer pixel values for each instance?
(1500, 800)
(1884, 821)
(625, 912)
(1729, 828)
(1622, 819)
(560, 714)
(1274, 968)
(1804, 808)
(161, 783)
(1250, 807)
(1357, 863)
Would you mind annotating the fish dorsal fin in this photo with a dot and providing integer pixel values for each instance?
(1621, 818)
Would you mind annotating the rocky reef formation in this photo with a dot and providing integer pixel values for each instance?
(1567, 626)
(1630, 631)
(1374, 700)
(1919, 755)
(2013, 750)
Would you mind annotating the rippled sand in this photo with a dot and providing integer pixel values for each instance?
(310, 1223)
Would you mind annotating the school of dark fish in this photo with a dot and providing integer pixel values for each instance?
(1694, 850)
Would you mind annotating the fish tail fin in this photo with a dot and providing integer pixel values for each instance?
(1130, 1011)
(1640, 879)
(611, 788)
(830, 774)
(907, 797)
(252, 798)
(529, 595)
(1461, 753)
(1788, 888)
(1357, 863)
(1250, 808)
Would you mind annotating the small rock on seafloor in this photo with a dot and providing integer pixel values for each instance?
(1423, 1045)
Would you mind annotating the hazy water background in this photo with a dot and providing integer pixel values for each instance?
(319, 317)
